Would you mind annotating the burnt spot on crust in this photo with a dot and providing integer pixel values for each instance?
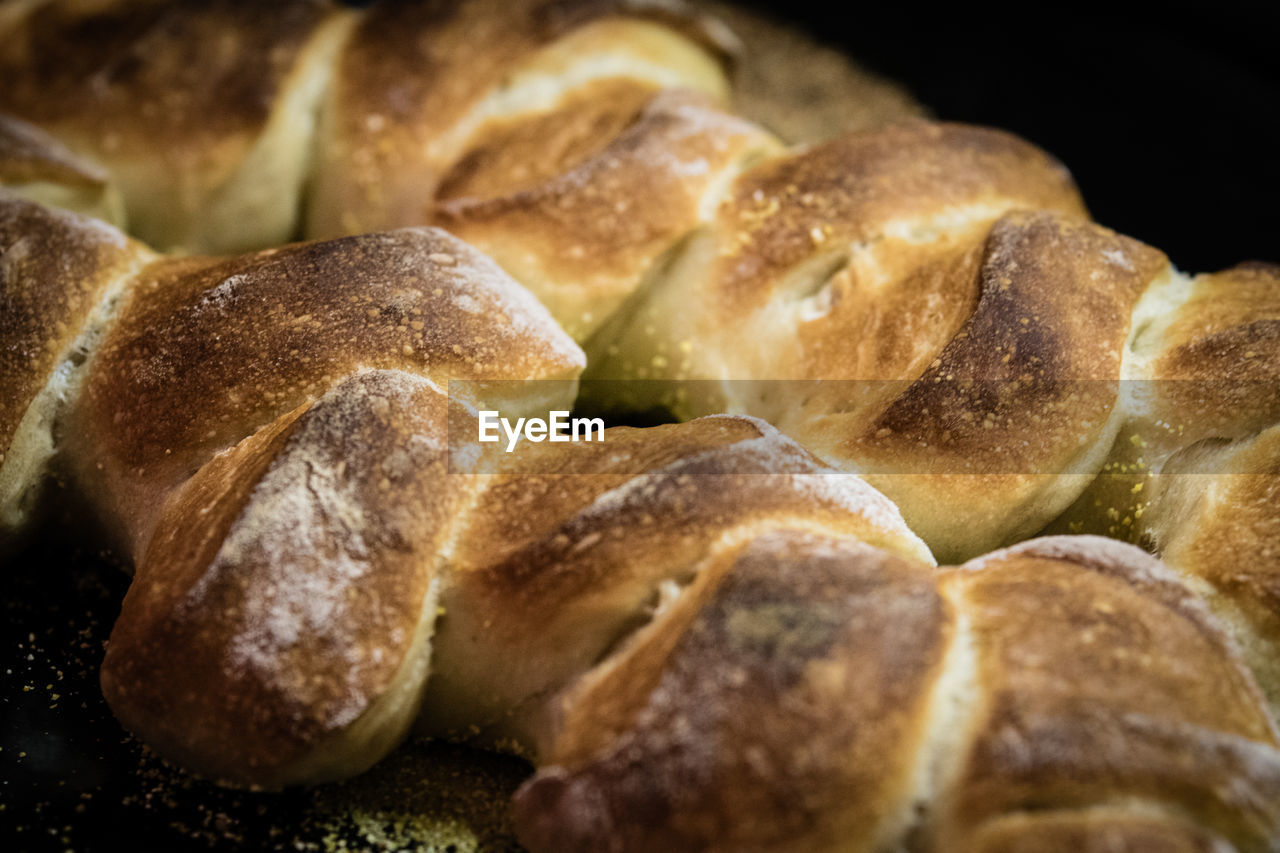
(776, 637)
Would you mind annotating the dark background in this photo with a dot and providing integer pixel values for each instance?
(1167, 114)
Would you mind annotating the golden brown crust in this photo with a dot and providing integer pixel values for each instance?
(584, 240)
(1104, 677)
(1229, 328)
(784, 715)
(571, 546)
(1204, 368)
(1030, 355)
(1212, 516)
(1023, 392)
(513, 154)
(791, 691)
(281, 597)
(129, 74)
(257, 335)
(852, 187)
(413, 73)
(1230, 535)
(851, 260)
(55, 268)
(156, 634)
(808, 693)
(907, 320)
(1218, 365)
(1203, 365)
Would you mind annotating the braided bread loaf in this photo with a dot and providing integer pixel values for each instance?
(209, 115)
(291, 540)
(930, 296)
(706, 637)
(816, 694)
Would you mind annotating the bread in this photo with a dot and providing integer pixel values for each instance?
(1210, 512)
(291, 540)
(236, 125)
(817, 694)
(976, 362)
(109, 403)
(257, 336)
(62, 275)
(416, 88)
(201, 112)
(710, 635)
(703, 635)
(225, 112)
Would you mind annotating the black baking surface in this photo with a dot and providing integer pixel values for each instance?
(1169, 123)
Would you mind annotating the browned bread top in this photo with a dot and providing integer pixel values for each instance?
(1029, 357)
(186, 79)
(417, 81)
(254, 336)
(55, 268)
(299, 536)
(292, 586)
(518, 153)
(779, 704)
(1229, 327)
(1103, 676)
(807, 693)
(289, 590)
(913, 177)
(583, 240)
(1215, 357)
(571, 545)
